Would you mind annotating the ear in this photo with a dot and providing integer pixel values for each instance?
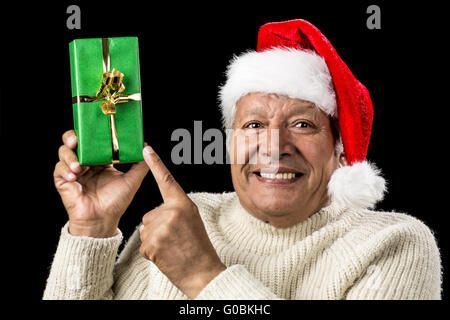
(339, 153)
(342, 160)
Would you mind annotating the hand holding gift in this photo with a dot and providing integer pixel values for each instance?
(94, 193)
(174, 237)
(95, 197)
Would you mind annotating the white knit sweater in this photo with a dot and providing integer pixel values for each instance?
(337, 253)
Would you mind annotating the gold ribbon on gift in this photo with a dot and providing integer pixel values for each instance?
(111, 89)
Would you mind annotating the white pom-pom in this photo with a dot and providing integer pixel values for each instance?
(357, 186)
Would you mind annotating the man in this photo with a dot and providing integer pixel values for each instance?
(298, 225)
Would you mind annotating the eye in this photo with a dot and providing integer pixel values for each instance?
(253, 125)
(302, 124)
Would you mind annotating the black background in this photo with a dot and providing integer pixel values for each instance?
(184, 50)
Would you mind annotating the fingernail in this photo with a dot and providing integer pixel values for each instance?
(148, 150)
(74, 166)
(141, 228)
(72, 139)
(70, 176)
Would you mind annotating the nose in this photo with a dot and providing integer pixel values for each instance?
(277, 145)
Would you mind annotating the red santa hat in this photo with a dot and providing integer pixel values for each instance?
(295, 59)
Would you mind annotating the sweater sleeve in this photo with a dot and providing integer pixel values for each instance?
(82, 267)
(236, 283)
(408, 268)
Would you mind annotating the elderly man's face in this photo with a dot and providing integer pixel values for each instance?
(306, 148)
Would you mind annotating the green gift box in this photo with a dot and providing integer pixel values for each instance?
(106, 100)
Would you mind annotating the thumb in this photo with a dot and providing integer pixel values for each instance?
(136, 174)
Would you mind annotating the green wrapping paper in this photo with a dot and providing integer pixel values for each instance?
(92, 126)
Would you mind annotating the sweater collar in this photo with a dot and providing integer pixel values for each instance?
(258, 236)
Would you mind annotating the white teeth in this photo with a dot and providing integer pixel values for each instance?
(284, 175)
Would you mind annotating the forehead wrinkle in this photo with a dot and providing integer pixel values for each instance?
(306, 107)
(270, 105)
(257, 108)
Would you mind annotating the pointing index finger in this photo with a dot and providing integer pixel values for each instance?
(168, 186)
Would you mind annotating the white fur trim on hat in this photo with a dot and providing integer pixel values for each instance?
(285, 71)
(357, 186)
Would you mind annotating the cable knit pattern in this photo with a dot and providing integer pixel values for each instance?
(337, 253)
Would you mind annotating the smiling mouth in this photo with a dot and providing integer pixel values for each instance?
(279, 177)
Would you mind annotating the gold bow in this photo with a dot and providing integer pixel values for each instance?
(110, 90)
